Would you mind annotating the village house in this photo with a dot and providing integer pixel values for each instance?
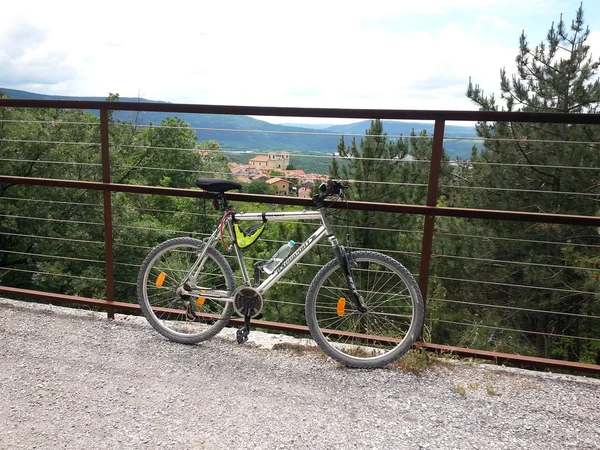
(290, 182)
(271, 161)
(242, 172)
(295, 176)
(260, 177)
(310, 179)
(260, 162)
(282, 186)
(304, 192)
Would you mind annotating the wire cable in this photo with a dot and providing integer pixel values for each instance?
(40, 255)
(515, 308)
(33, 236)
(37, 272)
(499, 261)
(512, 330)
(508, 285)
(29, 141)
(52, 220)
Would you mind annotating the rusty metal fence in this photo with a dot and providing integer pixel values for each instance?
(433, 213)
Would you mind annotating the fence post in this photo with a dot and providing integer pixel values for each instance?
(108, 239)
(432, 197)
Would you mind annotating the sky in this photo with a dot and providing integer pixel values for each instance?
(326, 53)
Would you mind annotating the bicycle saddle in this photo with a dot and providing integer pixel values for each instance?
(215, 185)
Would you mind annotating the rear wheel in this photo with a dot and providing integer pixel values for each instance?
(387, 329)
(184, 319)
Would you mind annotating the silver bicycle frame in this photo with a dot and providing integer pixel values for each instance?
(291, 260)
(286, 265)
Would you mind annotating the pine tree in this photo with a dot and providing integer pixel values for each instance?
(540, 167)
(387, 170)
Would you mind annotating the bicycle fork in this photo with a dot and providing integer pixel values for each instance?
(342, 257)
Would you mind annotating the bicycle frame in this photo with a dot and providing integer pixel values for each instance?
(286, 265)
(342, 322)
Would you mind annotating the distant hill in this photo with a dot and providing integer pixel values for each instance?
(311, 126)
(454, 146)
(24, 95)
(245, 133)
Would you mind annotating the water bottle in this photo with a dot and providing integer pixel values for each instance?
(278, 257)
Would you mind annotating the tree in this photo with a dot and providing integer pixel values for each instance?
(36, 220)
(539, 167)
(52, 238)
(386, 170)
(260, 187)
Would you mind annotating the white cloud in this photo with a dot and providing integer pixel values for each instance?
(485, 20)
(313, 54)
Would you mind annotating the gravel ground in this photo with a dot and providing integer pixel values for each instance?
(73, 379)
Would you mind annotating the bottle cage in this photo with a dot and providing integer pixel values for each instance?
(246, 238)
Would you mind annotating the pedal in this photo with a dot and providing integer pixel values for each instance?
(242, 335)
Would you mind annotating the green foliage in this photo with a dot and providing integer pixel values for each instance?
(53, 239)
(259, 187)
(44, 143)
(530, 167)
(382, 170)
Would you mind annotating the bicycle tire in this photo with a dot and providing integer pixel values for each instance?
(375, 338)
(165, 310)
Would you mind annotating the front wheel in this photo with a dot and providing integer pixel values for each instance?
(389, 326)
(184, 319)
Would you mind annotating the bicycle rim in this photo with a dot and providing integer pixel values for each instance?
(381, 334)
(184, 319)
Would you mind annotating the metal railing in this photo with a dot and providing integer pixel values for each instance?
(104, 186)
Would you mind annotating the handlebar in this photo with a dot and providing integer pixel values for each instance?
(332, 187)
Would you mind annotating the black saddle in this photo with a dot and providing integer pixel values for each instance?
(215, 185)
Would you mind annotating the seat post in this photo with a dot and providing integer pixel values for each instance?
(223, 199)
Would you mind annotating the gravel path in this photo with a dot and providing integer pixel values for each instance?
(73, 379)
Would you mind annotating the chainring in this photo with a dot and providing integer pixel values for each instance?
(244, 294)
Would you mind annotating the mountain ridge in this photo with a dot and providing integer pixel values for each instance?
(243, 133)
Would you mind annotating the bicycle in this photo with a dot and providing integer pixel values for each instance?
(363, 308)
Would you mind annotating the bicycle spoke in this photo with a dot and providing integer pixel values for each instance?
(381, 333)
(177, 317)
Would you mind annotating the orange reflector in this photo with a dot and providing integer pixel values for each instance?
(160, 279)
(200, 301)
(341, 306)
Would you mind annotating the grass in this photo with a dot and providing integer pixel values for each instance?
(473, 386)
(489, 388)
(414, 361)
(299, 349)
(460, 390)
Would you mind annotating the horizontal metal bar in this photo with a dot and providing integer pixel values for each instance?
(517, 216)
(472, 116)
(498, 358)
(510, 359)
(49, 296)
